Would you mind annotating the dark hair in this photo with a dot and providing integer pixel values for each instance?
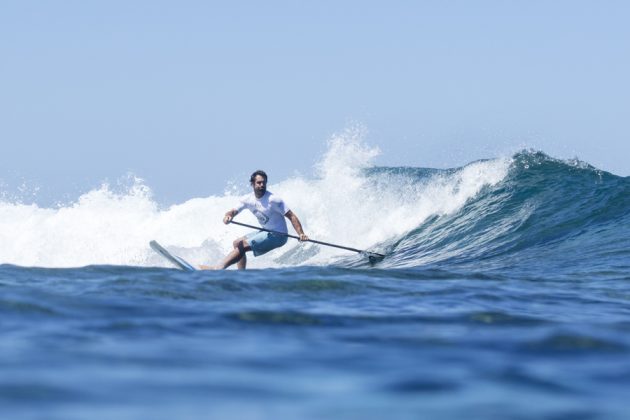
(258, 172)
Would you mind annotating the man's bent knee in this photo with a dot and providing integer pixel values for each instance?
(241, 244)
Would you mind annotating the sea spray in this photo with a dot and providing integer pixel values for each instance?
(349, 202)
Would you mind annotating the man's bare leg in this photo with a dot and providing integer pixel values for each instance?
(242, 263)
(238, 255)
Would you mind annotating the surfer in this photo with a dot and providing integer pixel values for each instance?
(270, 210)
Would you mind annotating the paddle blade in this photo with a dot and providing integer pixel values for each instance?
(373, 257)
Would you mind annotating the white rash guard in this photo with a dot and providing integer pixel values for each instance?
(269, 210)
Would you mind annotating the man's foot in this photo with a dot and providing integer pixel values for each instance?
(209, 267)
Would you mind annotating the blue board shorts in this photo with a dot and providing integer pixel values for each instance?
(263, 242)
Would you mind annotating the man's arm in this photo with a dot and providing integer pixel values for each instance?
(296, 225)
(229, 216)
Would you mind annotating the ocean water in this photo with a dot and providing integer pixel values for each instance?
(505, 294)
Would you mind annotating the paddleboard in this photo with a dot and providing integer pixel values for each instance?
(179, 262)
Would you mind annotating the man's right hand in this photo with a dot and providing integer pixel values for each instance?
(229, 216)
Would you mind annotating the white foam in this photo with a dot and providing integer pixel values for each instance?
(342, 205)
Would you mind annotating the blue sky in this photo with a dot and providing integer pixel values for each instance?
(191, 95)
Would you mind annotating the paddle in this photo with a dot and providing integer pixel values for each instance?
(373, 256)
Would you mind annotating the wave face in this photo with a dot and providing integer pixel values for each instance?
(544, 214)
(504, 212)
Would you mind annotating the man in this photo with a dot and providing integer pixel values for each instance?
(270, 210)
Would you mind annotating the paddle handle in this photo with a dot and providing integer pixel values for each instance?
(347, 248)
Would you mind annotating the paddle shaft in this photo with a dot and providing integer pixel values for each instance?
(347, 248)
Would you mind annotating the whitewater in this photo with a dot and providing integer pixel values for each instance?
(344, 204)
(504, 293)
